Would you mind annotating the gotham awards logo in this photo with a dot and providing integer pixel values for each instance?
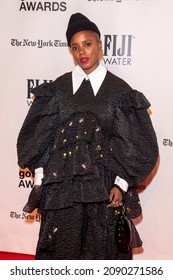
(43, 6)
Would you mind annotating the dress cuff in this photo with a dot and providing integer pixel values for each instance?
(121, 183)
(38, 176)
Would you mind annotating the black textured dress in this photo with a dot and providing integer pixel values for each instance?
(83, 142)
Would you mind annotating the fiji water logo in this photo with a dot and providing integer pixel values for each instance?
(117, 49)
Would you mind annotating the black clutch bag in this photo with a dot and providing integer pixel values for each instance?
(123, 232)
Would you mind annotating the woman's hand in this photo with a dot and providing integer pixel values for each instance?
(115, 198)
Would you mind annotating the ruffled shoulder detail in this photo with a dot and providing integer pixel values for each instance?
(51, 89)
(44, 90)
(134, 148)
(38, 128)
(133, 100)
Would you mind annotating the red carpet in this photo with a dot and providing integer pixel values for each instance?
(15, 256)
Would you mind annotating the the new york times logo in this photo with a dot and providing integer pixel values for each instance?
(44, 6)
(167, 142)
(117, 49)
(32, 83)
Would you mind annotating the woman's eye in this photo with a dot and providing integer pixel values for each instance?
(74, 48)
(88, 44)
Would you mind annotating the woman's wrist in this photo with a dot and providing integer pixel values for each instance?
(120, 189)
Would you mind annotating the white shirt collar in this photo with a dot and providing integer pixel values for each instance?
(96, 77)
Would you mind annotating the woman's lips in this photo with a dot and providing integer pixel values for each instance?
(84, 60)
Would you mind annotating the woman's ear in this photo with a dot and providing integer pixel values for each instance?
(101, 50)
(100, 44)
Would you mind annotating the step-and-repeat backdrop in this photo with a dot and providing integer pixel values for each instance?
(137, 45)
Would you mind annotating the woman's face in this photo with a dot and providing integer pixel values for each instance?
(86, 49)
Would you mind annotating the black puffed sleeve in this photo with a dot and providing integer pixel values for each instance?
(38, 128)
(134, 148)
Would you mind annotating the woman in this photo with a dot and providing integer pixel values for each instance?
(90, 134)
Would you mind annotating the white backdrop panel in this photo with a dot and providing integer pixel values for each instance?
(148, 26)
